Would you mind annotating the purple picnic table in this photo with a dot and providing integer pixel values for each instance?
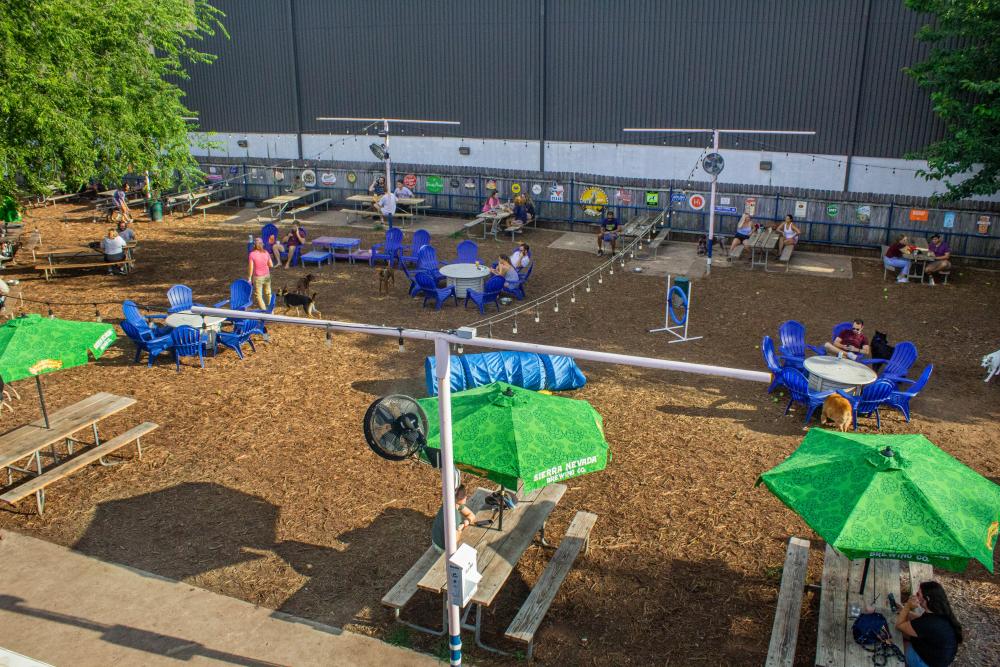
(335, 243)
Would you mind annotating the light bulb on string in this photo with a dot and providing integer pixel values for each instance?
(513, 329)
(460, 348)
(537, 315)
(555, 309)
(491, 331)
(623, 260)
(588, 284)
(51, 314)
(611, 267)
(329, 337)
(402, 348)
(572, 298)
(600, 278)
(97, 313)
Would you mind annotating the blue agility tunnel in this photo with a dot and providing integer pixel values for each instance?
(523, 369)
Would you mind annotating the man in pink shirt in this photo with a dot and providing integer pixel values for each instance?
(259, 273)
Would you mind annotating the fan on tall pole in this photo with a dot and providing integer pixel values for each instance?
(382, 151)
(713, 164)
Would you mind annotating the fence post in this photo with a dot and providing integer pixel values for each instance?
(888, 224)
(569, 209)
(246, 185)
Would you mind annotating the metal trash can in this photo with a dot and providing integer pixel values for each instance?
(156, 211)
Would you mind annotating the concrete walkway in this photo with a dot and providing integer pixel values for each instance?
(64, 608)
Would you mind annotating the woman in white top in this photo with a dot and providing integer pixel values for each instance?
(789, 233)
(521, 257)
(743, 229)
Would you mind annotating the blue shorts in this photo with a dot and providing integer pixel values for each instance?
(611, 236)
(913, 659)
(741, 236)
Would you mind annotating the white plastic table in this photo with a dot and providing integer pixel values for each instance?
(465, 277)
(830, 372)
(212, 325)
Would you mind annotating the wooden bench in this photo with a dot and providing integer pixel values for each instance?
(529, 617)
(655, 244)
(204, 207)
(786, 255)
(310, 206)
(36, 485)
(50, 269)
(785, 631)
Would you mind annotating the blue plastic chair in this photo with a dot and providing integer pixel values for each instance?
(467, 252)
(266, 232)
(514, 288)
(900, 398)
(490, 294)
(798, 388)
(430, 290)
(187, 342)
(772, 363)
(388, 251)
(141, 322)
(903, 357)
(180, 298)
(792, 337)
(240, 296)
(238, 337)
(526, 273)
(427, 261)
(872, 396)
(414, 288)
(259, 327)
(146, 341)
(408, 253)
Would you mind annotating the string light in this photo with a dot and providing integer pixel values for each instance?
(329, 337)
(514, 328)
(97, 312)
(402, 348)
(537, 315)
(51, 314)
(555, 308)
(623, 260)
(460, 349)
(600, 278)
(611, 267)
(572, 299)
(588, 284)
(491, 331)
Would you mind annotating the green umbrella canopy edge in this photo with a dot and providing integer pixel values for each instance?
(33, 345)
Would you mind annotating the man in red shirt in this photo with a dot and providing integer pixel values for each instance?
(850, 342)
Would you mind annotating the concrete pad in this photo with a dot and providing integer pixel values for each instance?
(821, 264)
(65, 608)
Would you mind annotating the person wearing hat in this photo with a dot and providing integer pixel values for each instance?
(608, 231)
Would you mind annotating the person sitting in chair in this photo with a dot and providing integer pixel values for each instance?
(276, 248)
(505, 269)
(942, 255)
(113, 247)
(850, 342)
(521, 257)
(608, 231)
(296, 237)
(894, 258)
(520, 217)
(401, 191)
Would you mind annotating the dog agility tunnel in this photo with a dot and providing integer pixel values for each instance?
(522, 369)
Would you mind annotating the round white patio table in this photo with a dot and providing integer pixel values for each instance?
(465, 277)
(830, 372)
(212, 325)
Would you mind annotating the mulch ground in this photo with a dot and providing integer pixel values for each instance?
(259, 484)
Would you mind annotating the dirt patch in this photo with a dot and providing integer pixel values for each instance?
(259, 485)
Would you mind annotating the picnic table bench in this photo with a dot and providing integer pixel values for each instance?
(212, 204)
(310, 206)
(370, 213)
(762, 241)
(81, 257)
(27, 442)
(189, 200)
(497, 555)
(785, 630)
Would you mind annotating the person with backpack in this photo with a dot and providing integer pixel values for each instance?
(930, 630)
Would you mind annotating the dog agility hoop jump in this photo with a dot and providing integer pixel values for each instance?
(679, 328)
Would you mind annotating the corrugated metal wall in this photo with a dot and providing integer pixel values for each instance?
(778, 64)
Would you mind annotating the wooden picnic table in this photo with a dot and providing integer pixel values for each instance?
(497, 551)
(282, 202)
(762, 240)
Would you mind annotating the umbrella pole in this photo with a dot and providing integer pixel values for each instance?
(502, 503)
(864, 576)
(41, 398)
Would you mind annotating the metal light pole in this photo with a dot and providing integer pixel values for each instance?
(385, 133)
(715, 149)
(442, 356)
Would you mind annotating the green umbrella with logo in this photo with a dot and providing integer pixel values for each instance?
(890, 496)
(32, 345)
(506, 434)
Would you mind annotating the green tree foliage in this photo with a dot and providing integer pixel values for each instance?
(87, 89)
(963, 75)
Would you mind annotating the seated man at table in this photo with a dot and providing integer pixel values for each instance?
(463, 517)
(850, 342)
(401, 191)
(377, 187)
(941, 251)
(126, 232)
(113, 247)
(608, 231)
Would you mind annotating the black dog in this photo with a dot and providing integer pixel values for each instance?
(880, 349)
(296, 302)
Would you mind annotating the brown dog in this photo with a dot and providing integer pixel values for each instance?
(386, 279)
(837, 409)
(302, 287)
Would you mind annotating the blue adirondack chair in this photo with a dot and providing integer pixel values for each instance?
(514, 287)
(238, 337)
(146, 341)
(180, 298)
(526, 273)
(427, 261)
(490, 294)
(259, 327)
(792, 349)
(240, 296)
(408, 253)
(187, 342)
(798, 389)
(266, 232)
(412, 277)
(430, 290)
(141, 322)
(903, 357)
(772, 363)
(872, 396)
(900, 398)
(390, 249)
(467, 252)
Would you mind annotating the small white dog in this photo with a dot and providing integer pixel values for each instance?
(991, 362)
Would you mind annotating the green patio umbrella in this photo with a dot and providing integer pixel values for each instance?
(32, 345)
(505, 433)
(890, 496)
